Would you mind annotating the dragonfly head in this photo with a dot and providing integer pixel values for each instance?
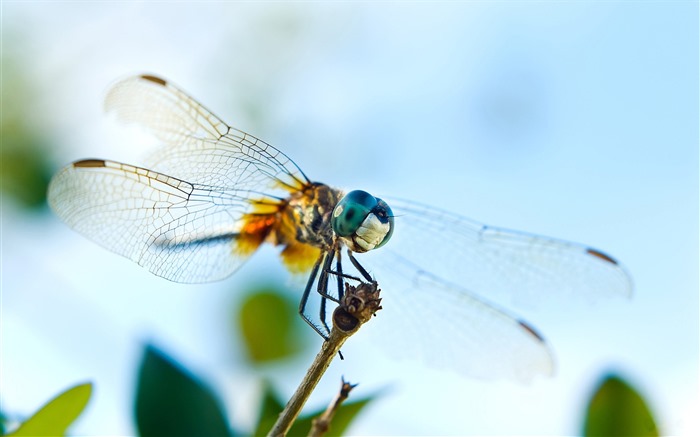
(362, 221)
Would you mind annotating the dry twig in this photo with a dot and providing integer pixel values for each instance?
(321, 424)
(357, 307)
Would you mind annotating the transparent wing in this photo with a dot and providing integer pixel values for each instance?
(445, 280)
(181, 218)
(181, 231)
(505, 265)
(199, 146)
(447, 326)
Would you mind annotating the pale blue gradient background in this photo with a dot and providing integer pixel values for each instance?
(571, 119)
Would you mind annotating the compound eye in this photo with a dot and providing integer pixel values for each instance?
(351, 212)
(385, 215)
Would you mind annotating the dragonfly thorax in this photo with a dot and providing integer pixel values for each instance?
(308, 215)
(363, 222)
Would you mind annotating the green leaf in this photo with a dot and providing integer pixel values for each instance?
(616, 409)
(272, 406)
(58, 414)
(342, 419)
(172, 401)
(25, 168)
(269, 325)
(270, 409)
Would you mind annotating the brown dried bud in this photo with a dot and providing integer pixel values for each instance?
(358, 305)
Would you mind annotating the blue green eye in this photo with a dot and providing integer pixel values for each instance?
(351, 211)
(383, 212)
(352, 214)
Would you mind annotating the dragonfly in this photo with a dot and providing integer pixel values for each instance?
(212, 194)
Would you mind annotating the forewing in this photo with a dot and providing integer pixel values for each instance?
(500, 264)
(179, 230)
(197, 145)
(445, 280)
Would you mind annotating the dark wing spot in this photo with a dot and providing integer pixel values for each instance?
(531, 330)
(89, 163)
(601, 255)
(154, 79)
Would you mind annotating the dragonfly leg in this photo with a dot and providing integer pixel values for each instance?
(323, 280)
(346, 276)
(359, 267)
(305, 299)
(339, 274)
(322, 314)
(323, 289)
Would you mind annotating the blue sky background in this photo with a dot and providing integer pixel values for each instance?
(577, 120)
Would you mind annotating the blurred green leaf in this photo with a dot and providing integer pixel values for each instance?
(54, 418)
(269, 326)
(25, 173)
(616, 409)
(272, 406)
(343, 417)
(25, 167)
(171, 401)
(270, 409)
